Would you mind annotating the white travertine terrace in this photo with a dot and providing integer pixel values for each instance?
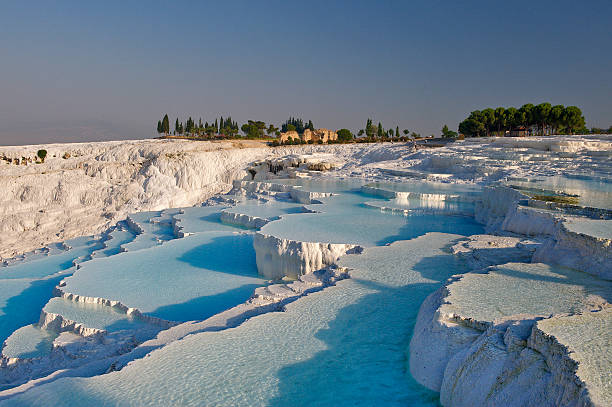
(511, 332)
(483, 328)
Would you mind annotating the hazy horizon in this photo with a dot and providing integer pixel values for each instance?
(75, 72)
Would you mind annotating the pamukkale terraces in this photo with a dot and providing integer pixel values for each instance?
(320, 260)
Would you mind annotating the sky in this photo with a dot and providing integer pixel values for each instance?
(108, 70)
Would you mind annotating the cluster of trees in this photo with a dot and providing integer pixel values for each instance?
(446, 133)
(254, 129)
(379, 133)
(293, 124)
(543, 118)
(221, 127)
(597, 130)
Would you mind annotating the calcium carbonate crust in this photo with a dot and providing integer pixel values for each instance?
(512, 361)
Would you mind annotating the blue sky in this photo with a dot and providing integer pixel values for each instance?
(81, 71)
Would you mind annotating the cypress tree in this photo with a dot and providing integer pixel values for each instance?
(176, 126)
(166, 124)
(159, 126)
(381, 132)
(397, 133)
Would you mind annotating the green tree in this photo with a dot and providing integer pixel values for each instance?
(474, 125)
(446, 133)
(345, 135)
(42, 154)
(527, 115)
(541, 115)
(254, 129)
(556, 117)
(271, 129)
(510, 118)
(380, 133)
(406, 132)
(159, 127)
(500, 119)
(166, 124)
(369, 129)
(572, 119)
(397, 131)
(488, 116)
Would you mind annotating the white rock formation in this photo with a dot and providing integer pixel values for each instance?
(277, 258)
(577, 244)
(97, 184)
(480, 251)
(488, 347)
(248, 221)
(100, 183)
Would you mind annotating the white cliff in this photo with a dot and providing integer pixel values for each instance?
(484, 330)
(277, 258)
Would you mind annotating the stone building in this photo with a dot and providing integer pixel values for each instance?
(325, 135)
(292, 134)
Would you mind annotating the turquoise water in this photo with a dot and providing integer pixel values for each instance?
(113, 242)
(203, 218)
(344, 346)
(415, 205)
(347, 343)
(593, 192)
(428, 187)
(184, 279)
(345, 219)
(25, 287)
(154, 233)
(96, 316)
(266, 210)
(322, 184)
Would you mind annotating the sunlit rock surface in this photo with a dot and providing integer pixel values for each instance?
(323, 329)
(584, 340)
(321, 259)
(483, 327)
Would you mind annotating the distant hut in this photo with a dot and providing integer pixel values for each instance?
(520, 131)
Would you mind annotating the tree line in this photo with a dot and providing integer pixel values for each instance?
(293, 124)
(533, 119)
(540, 118)
(380, 133)
(223, 127)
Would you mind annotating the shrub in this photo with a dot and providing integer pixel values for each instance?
(345, 135)
(42, 154)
